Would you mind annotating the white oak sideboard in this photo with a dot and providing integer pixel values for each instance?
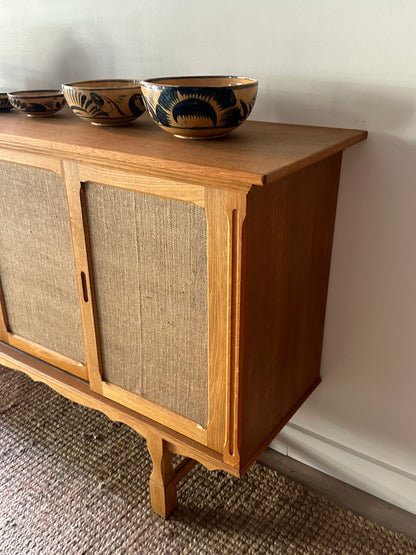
(177, 286)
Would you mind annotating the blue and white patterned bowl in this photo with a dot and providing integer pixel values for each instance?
(199, 107)
(5, 105)
(37, 104)
(105, 101)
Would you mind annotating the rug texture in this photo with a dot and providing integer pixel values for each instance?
(74, 482)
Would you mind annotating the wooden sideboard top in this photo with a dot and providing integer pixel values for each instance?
(254, 154)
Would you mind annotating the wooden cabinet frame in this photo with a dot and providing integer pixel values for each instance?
(298, 185)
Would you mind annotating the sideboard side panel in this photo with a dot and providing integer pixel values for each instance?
(288, 241)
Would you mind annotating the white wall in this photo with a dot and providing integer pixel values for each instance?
(327, 62)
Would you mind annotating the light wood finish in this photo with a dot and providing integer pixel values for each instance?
(165, 477)
(79, 392)
(42, 161)
(156, 412)
(285, 287)
(255, 154)
(236, 212)
(3, 318)
(85, 287)
(162, 480)
(268, 193)
(49, 356)
(217, 314)
(165, 188)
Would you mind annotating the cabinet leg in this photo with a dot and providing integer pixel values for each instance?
(164, 477)
(162, 480)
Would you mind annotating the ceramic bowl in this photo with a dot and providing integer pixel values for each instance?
(5, 105)
(105, 101)
(199, 107)
(37, 104)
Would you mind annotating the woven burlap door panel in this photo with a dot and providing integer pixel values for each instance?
(149, 265)
(37, 273)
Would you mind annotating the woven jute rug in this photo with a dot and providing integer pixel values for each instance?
(74, 482)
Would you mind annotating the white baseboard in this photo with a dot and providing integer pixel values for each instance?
(352, 467)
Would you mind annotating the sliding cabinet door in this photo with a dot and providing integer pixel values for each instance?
(158, 265)
(40, 311)
(155, 272)
(149, 261)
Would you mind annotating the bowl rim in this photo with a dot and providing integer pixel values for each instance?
(152, 82)
(32, 93)
(89, 84)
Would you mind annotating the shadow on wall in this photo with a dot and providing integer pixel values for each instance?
(62, 57)
(367, 395)
(363, 412)
(369, 351)
(73, 62)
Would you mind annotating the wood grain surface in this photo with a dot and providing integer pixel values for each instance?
(256, 153)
